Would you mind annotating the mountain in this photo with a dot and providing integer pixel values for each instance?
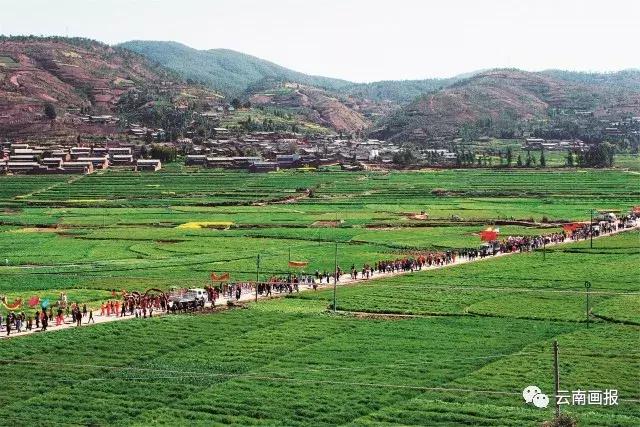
(156, 83)
(224, 70)
(76, 75)
(399, 91)
(236, 73)
(504, 98)
(314, 104)
(625, 79)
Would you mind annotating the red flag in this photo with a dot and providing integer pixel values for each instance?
(298, 263)
(215, 277)
(34, 301)
(488, 235)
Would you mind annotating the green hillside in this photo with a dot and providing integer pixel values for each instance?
(223, 69)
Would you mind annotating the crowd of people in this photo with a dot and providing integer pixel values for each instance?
(144, 305)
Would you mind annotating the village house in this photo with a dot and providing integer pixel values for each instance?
(115, 151)
(263, 167)
(195, 159)
(245, 162)
(78, 167)
(52, 162)
(121, 160)
(80, 152)
(285, 161)
(148, 165)
(97, 162)
(219, 162)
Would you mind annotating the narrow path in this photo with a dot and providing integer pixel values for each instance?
(344, 280)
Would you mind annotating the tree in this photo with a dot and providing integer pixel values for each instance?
(50, 111)
(404, 157)
(519, 161)
(570, 161)
(543, 160)
(235, 103)
(529, 160)
(509, 156)
(598, 156)
(164, 153)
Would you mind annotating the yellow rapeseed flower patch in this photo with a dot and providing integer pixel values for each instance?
(206, 224)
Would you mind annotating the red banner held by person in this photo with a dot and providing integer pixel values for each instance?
(572, 227)
(14, 305)
(217, 278)
(34, 301)
(298, 264)
(489, 235)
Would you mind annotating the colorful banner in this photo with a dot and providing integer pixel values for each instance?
(34, 301)
(45, 303)
(572, 227)
(14, 305)
(216, 278)
(298, 264)
(489, 235)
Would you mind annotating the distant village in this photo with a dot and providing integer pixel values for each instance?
(257, 151)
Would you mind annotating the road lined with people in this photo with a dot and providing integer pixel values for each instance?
(155, 302)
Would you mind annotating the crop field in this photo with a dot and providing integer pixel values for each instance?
(454, 346)
(290, 362)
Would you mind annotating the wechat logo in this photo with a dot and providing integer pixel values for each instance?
(534, 395)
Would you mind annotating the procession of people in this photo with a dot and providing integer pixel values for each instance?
(144, 306)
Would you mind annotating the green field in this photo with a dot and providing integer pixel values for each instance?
(623, 160)
(447, 347)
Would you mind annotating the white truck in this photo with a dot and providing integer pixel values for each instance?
(188, 300)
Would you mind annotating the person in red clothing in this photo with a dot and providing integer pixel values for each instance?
(102, 309)
(108, 309)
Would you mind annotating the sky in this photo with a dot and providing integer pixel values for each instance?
(361, 40)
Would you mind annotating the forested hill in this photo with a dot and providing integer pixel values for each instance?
(625, 79)
(237, 74)
(224, 70)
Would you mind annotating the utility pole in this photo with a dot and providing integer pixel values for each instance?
(591, 228)
(289, 265)
(587, 285)
(257, 275)
(556, 376)
(335, 276)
